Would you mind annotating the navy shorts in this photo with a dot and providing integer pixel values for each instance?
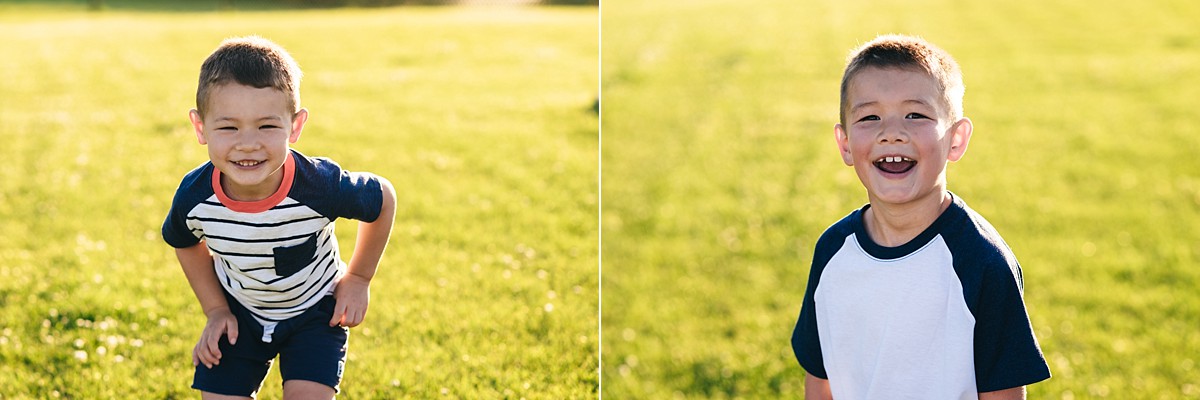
(308, 349)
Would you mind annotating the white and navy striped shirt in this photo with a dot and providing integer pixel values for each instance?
(277, 256)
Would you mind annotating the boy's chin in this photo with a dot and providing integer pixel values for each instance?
(898, 196)
(246, 179)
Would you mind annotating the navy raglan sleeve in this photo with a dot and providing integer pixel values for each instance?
(175, 230)
(191, 191)
(335, 192)
(361, 196)
(1006, 351)
(806, 343)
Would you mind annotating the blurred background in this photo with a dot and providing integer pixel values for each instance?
(96, 5)
(483, 118)
(720, 171)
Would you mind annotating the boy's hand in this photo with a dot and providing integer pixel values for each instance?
(352, 293)
(220, 322)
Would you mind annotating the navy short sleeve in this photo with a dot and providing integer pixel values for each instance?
(1006, 352)
(337, 193)
(175, 231)
(806, 342)
(192, 190)
(362, 196)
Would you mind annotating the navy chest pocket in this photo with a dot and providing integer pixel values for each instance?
(290, 260)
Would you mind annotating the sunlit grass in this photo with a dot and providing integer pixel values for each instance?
(720, 171)
(480, 117)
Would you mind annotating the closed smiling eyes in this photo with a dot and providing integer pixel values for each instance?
(906, 116)
(233, 129)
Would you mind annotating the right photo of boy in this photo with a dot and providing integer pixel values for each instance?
(914, 295)
(789, 209)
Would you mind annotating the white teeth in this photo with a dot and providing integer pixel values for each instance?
(895, 159)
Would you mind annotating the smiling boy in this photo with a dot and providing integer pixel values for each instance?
(253, 229)
(914, 295)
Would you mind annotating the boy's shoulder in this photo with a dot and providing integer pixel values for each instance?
(973, 242)
(198, 173)
(325, 174)
(981, 256)
(834, 238)
(195, 185)
(312, 167)
(322, 184)
(844, 227)
(970, 234)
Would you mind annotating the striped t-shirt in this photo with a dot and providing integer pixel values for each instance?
(277, 256)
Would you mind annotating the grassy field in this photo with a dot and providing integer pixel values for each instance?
(720, 171)
(481, 117)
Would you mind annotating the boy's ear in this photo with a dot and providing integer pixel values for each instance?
(298, 121)
(843, 142)
(197, 125)
(960, 136)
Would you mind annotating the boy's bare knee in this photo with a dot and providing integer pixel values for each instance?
(296, 389)
(213, 396)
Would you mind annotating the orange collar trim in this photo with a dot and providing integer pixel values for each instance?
(289, 175)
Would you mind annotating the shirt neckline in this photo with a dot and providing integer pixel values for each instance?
(891, 253)
(257, 206)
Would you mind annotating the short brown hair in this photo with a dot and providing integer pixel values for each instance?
(251, 61)
(905, 52)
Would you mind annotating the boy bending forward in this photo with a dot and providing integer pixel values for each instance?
(253, 231)
(914, 295)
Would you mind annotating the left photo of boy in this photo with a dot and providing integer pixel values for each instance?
(463, 264)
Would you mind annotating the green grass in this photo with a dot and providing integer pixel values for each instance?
(480, 117)
(720, 171)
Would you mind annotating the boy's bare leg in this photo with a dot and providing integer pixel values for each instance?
(296, 389)
(214, 396)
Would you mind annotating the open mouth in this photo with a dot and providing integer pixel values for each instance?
(895, 164)
(247, 163)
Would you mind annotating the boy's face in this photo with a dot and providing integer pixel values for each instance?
(899, 135)
(247, 131)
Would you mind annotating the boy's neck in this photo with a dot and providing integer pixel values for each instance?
(892, 225)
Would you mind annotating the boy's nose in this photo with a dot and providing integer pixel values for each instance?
(248, 143)
(893, 132)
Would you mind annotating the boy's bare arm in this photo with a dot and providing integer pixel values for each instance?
(197, 265)
(1017, 393)
(816, 388)
(353, 291)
